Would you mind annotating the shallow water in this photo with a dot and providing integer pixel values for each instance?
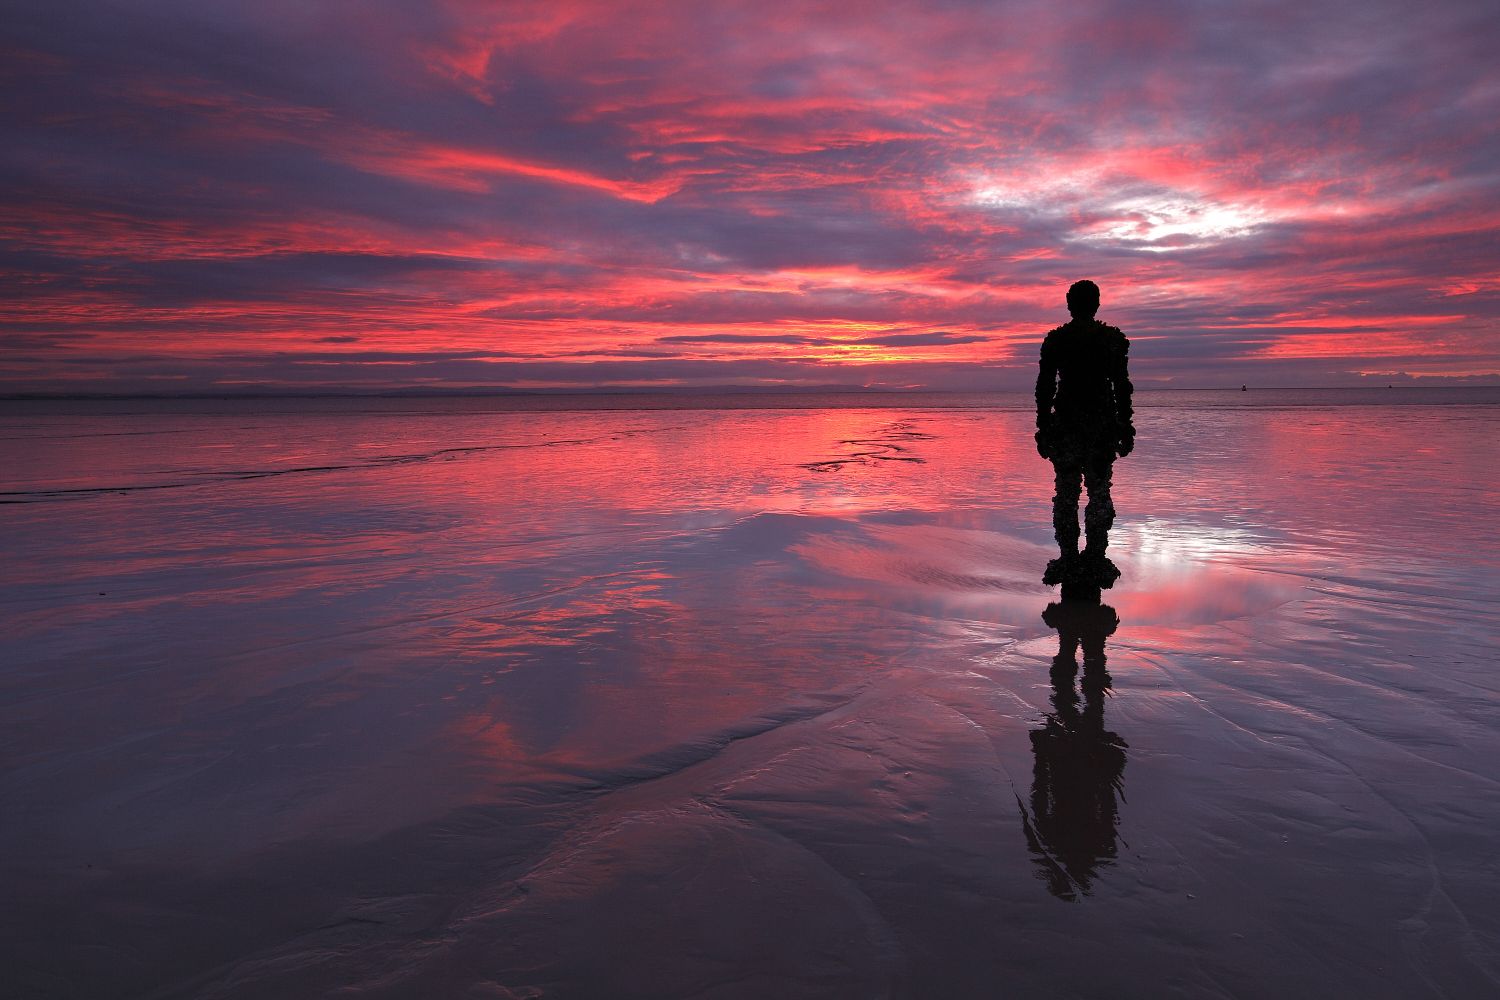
(429, 700)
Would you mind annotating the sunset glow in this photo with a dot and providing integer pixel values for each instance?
(335, 196)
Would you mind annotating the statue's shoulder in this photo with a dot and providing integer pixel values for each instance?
(1114, 335)
(1053, 338)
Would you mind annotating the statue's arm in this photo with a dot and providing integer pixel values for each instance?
(1046, 392)
(1123, 390)
(1046, 385)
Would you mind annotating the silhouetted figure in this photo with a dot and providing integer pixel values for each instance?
(1083, 419)
(1080, 765)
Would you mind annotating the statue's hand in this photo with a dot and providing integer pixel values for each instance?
(1126, 444)
(1043, 443)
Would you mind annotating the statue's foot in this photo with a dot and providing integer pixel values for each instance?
(1080, 592)
(1081, 573)
(1061, 569)
(1098, 569)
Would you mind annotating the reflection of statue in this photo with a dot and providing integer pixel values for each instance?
(1083, 418)
(1080, 765)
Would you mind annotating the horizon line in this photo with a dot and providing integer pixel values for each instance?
(679, 390)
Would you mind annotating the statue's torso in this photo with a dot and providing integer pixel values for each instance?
(1085, 355)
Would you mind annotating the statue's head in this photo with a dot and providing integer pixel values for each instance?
(1083, 299)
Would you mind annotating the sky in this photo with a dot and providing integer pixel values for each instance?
(376, 195)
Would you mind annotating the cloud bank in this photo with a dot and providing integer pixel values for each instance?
(328, 196)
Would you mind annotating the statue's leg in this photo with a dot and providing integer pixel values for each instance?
(1099, 515)
(1068, 487)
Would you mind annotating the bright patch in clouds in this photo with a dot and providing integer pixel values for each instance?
(1157, 222)
(1165, 224)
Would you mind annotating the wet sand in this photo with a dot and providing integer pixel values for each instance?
(305, 702)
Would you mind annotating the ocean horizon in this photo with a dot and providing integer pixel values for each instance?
(787, 398)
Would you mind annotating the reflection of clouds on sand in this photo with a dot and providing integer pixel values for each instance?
(1178, 573)
(1161, 545)
(1183, 573)
(1204, 594)
(670, 715)
(929, 555)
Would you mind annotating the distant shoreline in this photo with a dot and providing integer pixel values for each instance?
(684, 391)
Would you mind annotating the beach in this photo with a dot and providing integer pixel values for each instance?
(746, 697)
